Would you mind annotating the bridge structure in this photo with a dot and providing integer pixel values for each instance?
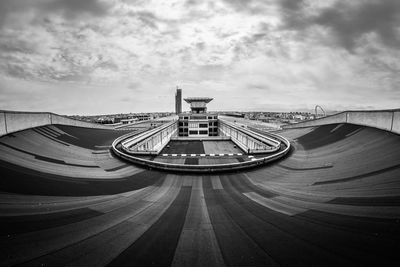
(321, 109)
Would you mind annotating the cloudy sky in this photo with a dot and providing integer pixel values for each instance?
(96, 57)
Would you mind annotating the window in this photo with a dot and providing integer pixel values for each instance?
(203, 132)
(185, 124)
(203, 125)
(198, 117)
(193, 132)
(180, 123)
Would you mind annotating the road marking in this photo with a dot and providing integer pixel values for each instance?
(272, 204)
(216, 183)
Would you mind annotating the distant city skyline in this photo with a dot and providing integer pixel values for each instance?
(106, 57)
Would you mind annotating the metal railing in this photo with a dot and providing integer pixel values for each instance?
(152, 141)
(253, 143)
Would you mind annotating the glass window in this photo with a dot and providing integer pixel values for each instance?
(203, 132)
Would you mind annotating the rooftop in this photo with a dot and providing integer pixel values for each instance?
(198, 99)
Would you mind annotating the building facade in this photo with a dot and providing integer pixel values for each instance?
(198, 123)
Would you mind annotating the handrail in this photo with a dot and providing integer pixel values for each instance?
(146, 134)
(263, 144)
(253, 134)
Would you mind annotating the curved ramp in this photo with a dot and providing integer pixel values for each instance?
(334, 201)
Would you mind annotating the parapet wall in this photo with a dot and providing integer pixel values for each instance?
(388, 120)
(13, 121)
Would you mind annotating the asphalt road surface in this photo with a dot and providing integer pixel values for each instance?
(65, 199)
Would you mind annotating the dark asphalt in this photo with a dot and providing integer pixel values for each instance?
(334, 201)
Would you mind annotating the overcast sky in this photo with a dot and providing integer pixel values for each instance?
(97, 57)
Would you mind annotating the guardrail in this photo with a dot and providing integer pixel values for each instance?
(388, 120)
(248, 140)
(200, 168)
(14, 121)
(152, 141)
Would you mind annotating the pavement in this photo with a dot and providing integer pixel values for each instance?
(334, 201)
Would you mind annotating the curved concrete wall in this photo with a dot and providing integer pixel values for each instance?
(388, 120)
(13, 121)
(211, 168)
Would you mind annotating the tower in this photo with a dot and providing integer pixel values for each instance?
(178, 101)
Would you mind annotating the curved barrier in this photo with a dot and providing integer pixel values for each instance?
(388, 120)
(248, 140)
(116, 148)
(152, 141)
(14, 121)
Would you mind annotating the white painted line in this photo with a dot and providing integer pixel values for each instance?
(212, 155)
(174, 155)
(251, 156)
(183, 155)
(222, 154)
(216, 182)
(230, 154)
(337, 127)
(253, 159)
(202, 155)
(272, 204)
(239, 154)
(165, 154)
(193, 155)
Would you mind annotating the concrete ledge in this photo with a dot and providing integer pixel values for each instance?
(388, 120)
(200, 168)
(13, 121)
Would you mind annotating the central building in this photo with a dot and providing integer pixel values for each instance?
(198, 123)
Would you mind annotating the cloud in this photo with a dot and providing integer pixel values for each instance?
(73, 8)
(129, 55)
(346, 22)
(17, 11)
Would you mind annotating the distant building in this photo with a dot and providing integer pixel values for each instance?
(198, 122)
(178, 101)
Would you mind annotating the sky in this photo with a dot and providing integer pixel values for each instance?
(119, 56)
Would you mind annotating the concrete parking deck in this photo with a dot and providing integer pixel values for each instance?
(334, 201)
